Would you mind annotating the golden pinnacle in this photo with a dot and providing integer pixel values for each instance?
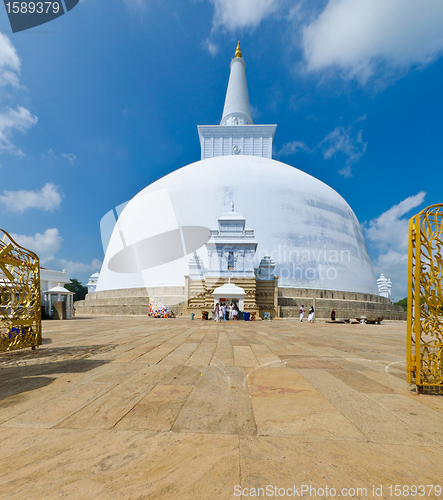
(237, 50)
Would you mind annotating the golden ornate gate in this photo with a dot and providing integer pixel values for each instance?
(425, 300)
(20, 301)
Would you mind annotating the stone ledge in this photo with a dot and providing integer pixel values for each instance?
(330, 294)
(112, 310)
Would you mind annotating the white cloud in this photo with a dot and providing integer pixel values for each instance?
(20, 118)
(48, 198)
(388, 233)
(255, 113)
(235, 14)
(45, 245)
(50, 154)
(374, 38)
(211, 47)
(14, 119)
(9, 63)
(136, 4)
(74, 267)
(346, 172)
(290, 148)
(390, 230)
(71, 157)
(341, 140)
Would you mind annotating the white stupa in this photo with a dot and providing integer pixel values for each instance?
(92, 283)
(384, 286)
(302, 224)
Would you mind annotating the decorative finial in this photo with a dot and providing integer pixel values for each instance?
(232, 206)
(237, 50)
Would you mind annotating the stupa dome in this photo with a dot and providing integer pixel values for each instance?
(306, 227)
(302, 224)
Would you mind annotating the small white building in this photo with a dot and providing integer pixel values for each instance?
(230, 293)
(59, 294)
(92, 283)
(50, 279)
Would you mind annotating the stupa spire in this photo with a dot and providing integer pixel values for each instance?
(237, 110)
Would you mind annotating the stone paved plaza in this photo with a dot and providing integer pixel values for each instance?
(141, 408)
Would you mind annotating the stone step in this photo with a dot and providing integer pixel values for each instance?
(121, 310)
(295, 301)
(160, 291)
(170, 300)
(125, 292)
(129, 301)
(334, 303)
(117, 301)
(296, 293)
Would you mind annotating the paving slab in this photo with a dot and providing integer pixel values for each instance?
(105, 411)
(158, 410)
(219, 404)
(202, 355)
(376, 423)
(142, 408)
(117, 464)
(286, 404)
(285, 462)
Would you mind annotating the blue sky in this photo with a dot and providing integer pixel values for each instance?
(99, 103)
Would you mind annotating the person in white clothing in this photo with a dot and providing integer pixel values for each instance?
(311, 316)
(220, 312)
(235, 312)
(302, 312)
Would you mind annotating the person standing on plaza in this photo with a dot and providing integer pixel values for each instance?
(332, 315)
(216, 311)
(220, 312)
(302, 312)
(311, 316)
(231, 310)
(224, 311)
(235, 312)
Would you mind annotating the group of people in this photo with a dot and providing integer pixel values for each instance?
(222, 313)
(311, 314)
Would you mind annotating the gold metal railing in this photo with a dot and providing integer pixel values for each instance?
(424, 357)
(20, 296)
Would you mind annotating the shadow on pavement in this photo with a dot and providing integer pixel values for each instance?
(23, 371)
